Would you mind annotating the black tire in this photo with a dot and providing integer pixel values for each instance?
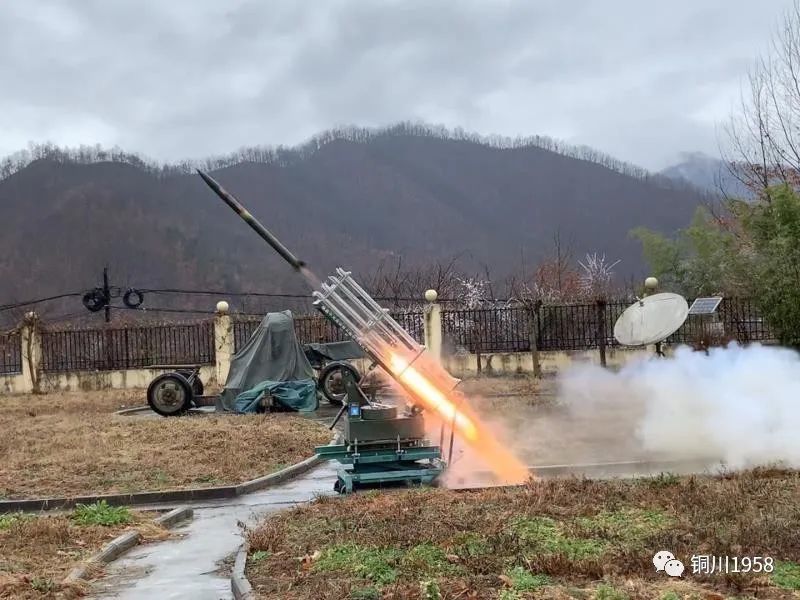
(133, 298)
(170, 395)
(330, 381)
(197, 384)
(95, 300)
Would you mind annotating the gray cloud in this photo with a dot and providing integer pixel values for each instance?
(187, 78)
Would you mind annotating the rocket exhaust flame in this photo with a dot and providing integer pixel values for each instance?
(434, 398)
(505, 465)
(428, 384)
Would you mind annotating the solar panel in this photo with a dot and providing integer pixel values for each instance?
(705, 306)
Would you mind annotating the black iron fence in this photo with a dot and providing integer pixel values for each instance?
(311, 328)
(318, 329)
(413, 321)
(127, 347)
(585, 326)
(483, 330)
(10, 353)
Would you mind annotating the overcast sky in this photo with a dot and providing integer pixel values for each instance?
(178, 79)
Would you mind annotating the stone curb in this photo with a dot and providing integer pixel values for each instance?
(121, 544)
(166, 496)
(277, 477)
(240, 586)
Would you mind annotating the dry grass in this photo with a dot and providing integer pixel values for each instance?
(522, 386)
(39, 551)
(551, 539)
(72, 444)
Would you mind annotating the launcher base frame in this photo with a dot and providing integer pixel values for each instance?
(374, 466)
(377, 473)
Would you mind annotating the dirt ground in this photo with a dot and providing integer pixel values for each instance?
(72, 444)
(39, 551)
(571, 538)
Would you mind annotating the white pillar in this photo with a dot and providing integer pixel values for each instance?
(433, 324)
(223, 341)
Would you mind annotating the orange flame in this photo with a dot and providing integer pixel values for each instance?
(503, 463)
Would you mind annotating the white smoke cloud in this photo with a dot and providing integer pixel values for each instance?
(740, 405)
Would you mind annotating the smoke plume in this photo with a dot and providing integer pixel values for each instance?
(739, 405)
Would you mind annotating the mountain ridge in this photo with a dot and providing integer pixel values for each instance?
(353, 203)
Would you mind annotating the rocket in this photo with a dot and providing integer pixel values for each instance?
(262, 231)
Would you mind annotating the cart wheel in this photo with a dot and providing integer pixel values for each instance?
(170, 395)
(197, 384)
(338, 487)
(331, 384)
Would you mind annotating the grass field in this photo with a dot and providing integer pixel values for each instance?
(550, 539)
(71, 444)
(37, 552)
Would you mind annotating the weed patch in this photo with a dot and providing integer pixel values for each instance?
(523, 580)
(542, 535)
(609, 592)
(787, 575)
(100, 513)
(376, 564)
(627, 525)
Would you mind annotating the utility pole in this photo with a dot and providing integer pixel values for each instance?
(107, 294)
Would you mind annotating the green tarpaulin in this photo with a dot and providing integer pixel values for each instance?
(272, 357)
(295, 395)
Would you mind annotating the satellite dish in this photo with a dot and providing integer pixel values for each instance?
(651, 319)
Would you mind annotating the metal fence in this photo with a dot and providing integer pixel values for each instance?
(10, 353)
(583, 326)
(127, 347)
(413, 321)
(483, 330)
(318, 329)
(736, 319)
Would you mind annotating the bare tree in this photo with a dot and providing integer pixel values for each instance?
(763, 137)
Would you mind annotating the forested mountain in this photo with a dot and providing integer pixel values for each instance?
(351, 198)
(707, 173)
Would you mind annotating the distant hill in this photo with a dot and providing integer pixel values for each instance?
(706, 173)
(350, 200)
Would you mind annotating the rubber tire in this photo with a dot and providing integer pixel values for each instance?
(182, 382)
(131, 293)
(197, 384)
(329, 371)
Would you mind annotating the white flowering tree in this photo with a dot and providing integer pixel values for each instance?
(597, 276)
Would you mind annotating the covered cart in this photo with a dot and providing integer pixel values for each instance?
(272, 369)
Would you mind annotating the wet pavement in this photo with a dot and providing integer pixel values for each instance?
(187, 567)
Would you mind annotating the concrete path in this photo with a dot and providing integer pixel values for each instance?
(186, 567)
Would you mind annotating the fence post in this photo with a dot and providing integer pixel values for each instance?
(601, 330)
(533, 336)
(31, 341)
(432, 324)
(223, 341)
